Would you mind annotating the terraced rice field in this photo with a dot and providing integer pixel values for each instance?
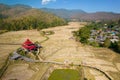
(59, 47)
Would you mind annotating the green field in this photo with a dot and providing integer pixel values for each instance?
(64, 74)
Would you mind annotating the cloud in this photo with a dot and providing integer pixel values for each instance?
(46, 1)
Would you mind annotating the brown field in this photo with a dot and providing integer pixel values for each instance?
(60, 47)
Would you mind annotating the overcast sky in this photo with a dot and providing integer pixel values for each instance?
(86, 5)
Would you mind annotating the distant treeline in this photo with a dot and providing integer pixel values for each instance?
(32, 19)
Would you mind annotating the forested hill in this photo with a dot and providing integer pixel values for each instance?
(22, 17)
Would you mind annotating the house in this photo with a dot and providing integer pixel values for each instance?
(15, 56)
(114, 40)
(105, 32)
(28, 45)
(91, 39)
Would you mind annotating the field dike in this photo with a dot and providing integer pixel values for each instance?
(5, 66)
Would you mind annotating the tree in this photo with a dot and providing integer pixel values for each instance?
(118, 47)
(114, 45)
(107, 43)
(84, 34)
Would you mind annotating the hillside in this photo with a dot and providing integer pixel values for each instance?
(22, 17)
(13, 10)
(82, 15)
(98, 16)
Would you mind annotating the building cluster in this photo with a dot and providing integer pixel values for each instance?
(103, 33)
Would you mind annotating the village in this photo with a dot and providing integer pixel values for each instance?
(103, 33)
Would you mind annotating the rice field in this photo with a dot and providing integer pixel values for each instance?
(60, 47)
(64, 74)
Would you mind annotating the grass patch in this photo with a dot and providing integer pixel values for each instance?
(64, 74)
(3, 31)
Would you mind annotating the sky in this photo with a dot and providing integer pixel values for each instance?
(86, 5)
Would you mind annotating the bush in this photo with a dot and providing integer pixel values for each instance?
(82, 34)
(95, 44)
(3, 31)
(107, 43)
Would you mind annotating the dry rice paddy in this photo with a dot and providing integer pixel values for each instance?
(60, 47)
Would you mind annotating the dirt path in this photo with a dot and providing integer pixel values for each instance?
(61, 47)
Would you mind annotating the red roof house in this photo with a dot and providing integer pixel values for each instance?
(29, 45)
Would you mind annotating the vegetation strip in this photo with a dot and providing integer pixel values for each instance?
(99, 71)
(45, 39)
(5, 66)
(3, 31)
(10, 44)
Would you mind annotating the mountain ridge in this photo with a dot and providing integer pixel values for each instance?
(64, 13)
(82, 15)
(73, 14)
